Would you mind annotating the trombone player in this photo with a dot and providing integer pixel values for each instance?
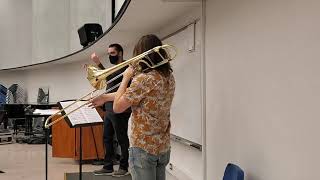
(114, 123)
(150, 97)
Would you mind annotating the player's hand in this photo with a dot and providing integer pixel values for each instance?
(128, 73)
(85, 67)
(96, 102)
(95, 58)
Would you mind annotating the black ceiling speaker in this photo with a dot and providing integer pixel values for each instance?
(89, 33)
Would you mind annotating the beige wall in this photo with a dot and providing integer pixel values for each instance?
(262, 64)
(7, 78)
(15, 33)
(68, 81)
(187, 161)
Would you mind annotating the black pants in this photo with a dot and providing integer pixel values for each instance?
(116, 124)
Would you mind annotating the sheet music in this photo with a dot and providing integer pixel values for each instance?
(84, 115)
(45, 111)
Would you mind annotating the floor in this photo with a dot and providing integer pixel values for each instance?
(27, 162)
(91, 176)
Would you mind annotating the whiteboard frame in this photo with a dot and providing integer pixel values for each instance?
(174, 137)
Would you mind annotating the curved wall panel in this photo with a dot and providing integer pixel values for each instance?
(50, 29)
(40, 31)
(55, 25)
(15, 33)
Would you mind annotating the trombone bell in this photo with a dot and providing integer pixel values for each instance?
(97, 77)
(93, 74)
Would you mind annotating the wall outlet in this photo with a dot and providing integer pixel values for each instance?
(177, 173)
(170, 166)
(191, 48)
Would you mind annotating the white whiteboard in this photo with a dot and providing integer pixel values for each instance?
(186, 107)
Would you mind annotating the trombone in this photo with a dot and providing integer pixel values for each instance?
(97, 77)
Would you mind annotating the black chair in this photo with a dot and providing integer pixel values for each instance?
(233, 172)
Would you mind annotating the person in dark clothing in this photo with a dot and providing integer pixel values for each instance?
(114, 123)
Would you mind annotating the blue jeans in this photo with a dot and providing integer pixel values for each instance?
(145, 166)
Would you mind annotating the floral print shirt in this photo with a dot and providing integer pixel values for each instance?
(151, 96)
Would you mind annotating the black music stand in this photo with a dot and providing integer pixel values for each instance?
(86, 117)
(46, 131)
(98, 161)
